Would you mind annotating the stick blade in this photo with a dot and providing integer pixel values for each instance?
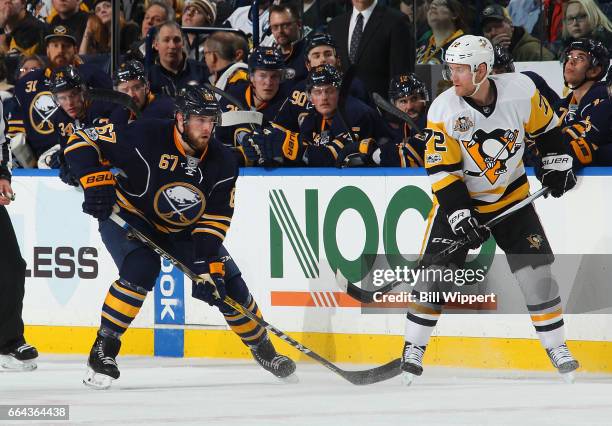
(374, 375)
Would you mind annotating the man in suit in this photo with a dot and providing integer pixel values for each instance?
(376, 40)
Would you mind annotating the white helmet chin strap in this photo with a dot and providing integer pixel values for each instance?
(480, 83)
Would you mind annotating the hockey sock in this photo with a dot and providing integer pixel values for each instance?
(122, 304)
(248, 330)
(541, 294)
(421, 318)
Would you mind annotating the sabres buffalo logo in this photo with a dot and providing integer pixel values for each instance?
(491, 151)
(179, 203)
(42, 109)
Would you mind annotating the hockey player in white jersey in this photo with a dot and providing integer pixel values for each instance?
(474, 160)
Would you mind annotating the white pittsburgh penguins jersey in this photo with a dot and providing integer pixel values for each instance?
(484, 149)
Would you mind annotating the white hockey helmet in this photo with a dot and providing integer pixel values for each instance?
(470, 50)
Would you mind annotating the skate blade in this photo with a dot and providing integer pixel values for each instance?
(96, 380)
(291, 379)
(407, 378)
(10, 364)
(568, 378)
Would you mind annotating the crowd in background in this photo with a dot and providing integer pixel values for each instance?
(379, 45)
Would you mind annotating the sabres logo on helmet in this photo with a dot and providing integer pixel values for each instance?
(491, 150)
(179, 203)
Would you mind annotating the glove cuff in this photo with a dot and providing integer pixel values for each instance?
(457, 216)
(216, 267)
(97, 179)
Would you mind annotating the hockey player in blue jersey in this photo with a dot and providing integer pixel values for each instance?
(37, 106)
(130, 79)
(177, 185)
(320, 50)
(586, 113)
(323, 131)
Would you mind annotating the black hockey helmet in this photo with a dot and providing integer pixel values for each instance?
(319, 39)
(323, 75)
(130, 70)
(65, 78)
(267, 58)
(193, 100)
(596, 50)
(407, 85)
(503, 58)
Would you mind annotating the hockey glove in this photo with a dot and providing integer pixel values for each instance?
(99, 191)
(251, 148)
(556, 173)
(65, 173)
(465, 225)
(356, 154)
(212, 289)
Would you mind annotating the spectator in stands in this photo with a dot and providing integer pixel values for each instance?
(317, 13)
(156, 13)
(222, 54)
(584, 19)
(286, 27)
(497, 27)
(173, 70)
(198, 13)
(30, 63)
(22, 32)
(380, 46)
(422, 6)
(240, 19)
(525, 13)
(70, 15)
(445, 18)
(97, 36)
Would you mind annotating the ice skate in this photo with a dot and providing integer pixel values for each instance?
(18, 356)
(279, 365)
(563, 361)
(412, 362)
(101, 366)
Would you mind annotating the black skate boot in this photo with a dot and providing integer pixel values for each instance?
(102, 367)
(412, 362)
(18, 356)
(563, 361)
(279, 365)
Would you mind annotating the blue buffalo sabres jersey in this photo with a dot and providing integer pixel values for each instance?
(38, 108)
(405, 148)
(96, 113)
(589, 125)
(297, 105)
(244, 92)
(171, 191)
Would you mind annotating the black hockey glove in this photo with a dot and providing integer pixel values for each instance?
(556, 173)
(251, 147)
(99, 191)
(212, 289)
(464, 224)
(357, 154)
(65, 174)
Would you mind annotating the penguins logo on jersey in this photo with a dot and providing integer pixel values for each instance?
(490, 151)
(535, 241)
(179, 203)
(42, 108)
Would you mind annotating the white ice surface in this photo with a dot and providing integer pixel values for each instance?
(154, 391)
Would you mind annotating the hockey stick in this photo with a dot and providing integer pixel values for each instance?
(387, 106)
(115, 97)
(366, 296)
(363, 377)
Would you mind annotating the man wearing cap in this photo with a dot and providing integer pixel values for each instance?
(71, 16)
(497, 27)
(198, 13)
(22, 32)
(37, 106)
